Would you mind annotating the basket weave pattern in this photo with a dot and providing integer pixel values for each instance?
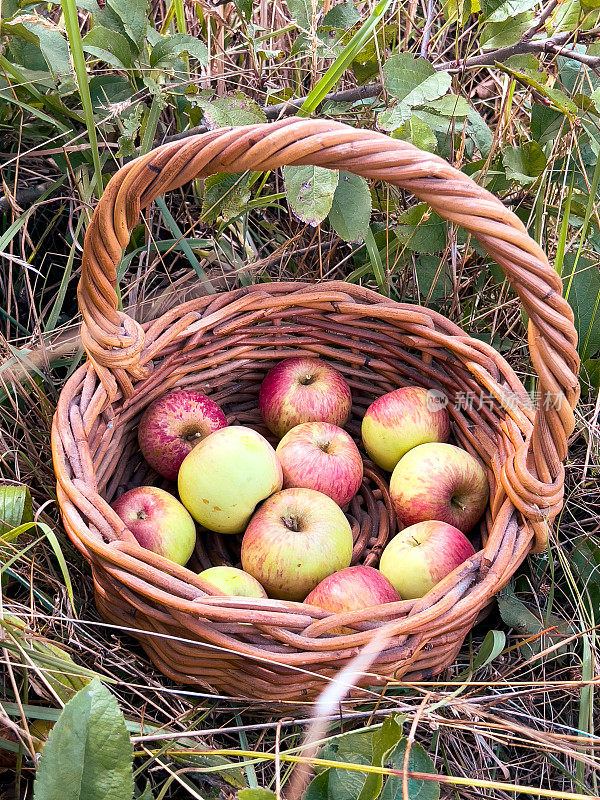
(224, 344)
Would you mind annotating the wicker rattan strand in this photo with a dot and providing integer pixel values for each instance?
(223, 344)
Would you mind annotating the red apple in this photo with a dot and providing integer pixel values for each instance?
(321, 456)
(401, 420)
(420, 556)
(303, 390)
(234, 582)
(172, 425)
(295, 539)
(352, 589)
(159, 522)
(439, 481)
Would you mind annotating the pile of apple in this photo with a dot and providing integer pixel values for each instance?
(287, 502)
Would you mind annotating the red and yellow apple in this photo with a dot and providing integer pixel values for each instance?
(295, 539)
(400, 420)
(421, 555)
(323, 457)
(159, 522)
(439, 481)
(234, 582)
(172, 425)
(352, 589)
(226, 475)
(303, 390)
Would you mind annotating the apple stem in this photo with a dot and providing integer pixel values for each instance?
(306, 380)
(458, 504)
(291, 523)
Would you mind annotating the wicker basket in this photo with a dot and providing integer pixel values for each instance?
(223, 345)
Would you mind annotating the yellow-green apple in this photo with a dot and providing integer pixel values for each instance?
(400, 420)
(158, 521)
(295, 539)
(303, 390)
(439, 481)
(352, 589)
(234, 582)
(421, 555)
(321, 456)
(226, 475)
(172, 425)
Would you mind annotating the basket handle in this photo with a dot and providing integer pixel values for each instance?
(114, 341)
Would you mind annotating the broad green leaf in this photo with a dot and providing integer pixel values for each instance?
(417, 132)
(502, 34)
(318, 788)
(479, 132)
(350, 212)
(146, 794)
(88, 755)
(48, 37)
(586, 560)
(244, 8)
(524, 163)
(491, 647)
(109, 46)
(225, 195)
(546, 123)
(500, 10)
(130, 127)
(346, 783)
(342, 16)
(234, 109)
(527, 623)
(15, 507)
(310, 192)
(171, 47)
(460, 10)
(385, 742)
(256, 794)
(302, 12)
(422, 230)
(341, 748)
(107, 90)
(414, 81)
(418, 761)
(133, 15)
(450, 106)
(583, 299)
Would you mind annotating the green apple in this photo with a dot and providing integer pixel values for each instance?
(222, 480)
(234, 582)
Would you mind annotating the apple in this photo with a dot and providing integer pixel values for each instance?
(159, 522)
(295, 539)
(303, 390)
(439, 481)
(234, 582)
(172, 425)
(401, 420)
(226, 475)
(352, 589)
(421, 555)
(321, 456)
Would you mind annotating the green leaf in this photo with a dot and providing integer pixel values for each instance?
(48, 37)
(171, 47)
(301, 11)
(225, 195)
(450, 106)
(15, 507)
(342, 16)
(244, 8)
(414, 80)
(502, 34)
(133, 16)
(583, 299)
(318, 788)
(233, 109)
(350, 212)
(109, 46)
(130, 127)
(422, 230)
(310, 192)
(256, 794)
(546, 123)
(385, 742)
(417, 132)
(527, 623)
(88, 755)
(479, 132)
(500, 10)
(346, 783)
(146, 794)
(524, 163)
(418, 761)
(491, 647)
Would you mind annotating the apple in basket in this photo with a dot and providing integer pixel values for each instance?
(295, 539)
(158, 521)
(172, 425)
(352, 589)
(421, 555)
(234, 582)
(303, 390)
(401, 420)
(226, 475)
(439, 481)
(321, 456)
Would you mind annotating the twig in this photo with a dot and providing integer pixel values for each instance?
(427, 28)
